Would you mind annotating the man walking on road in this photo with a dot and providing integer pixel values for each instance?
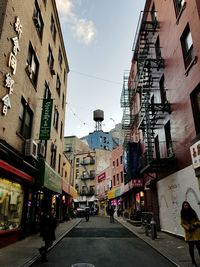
(111, 213)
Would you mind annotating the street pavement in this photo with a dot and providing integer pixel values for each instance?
(24, 252)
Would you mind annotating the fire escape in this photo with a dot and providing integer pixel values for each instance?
(87, 174)
(154, 107)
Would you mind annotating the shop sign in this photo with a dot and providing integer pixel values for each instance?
(117, 192)
(111, 194)
(137, 182)
(101, 177)
(12, 64)
(195, 154)
(49, 178)
(45, 124)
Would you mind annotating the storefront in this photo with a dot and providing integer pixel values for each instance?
(14, 189)
(50, 184)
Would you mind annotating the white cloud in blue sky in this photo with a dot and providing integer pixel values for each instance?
(84, 30)
(98, 37)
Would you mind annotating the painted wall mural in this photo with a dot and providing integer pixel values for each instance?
(172, 191)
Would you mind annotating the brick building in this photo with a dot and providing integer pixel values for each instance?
(161, 107)
(33, 71)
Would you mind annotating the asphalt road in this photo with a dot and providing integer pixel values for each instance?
(103, 244)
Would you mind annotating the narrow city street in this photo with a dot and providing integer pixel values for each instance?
(103, 244)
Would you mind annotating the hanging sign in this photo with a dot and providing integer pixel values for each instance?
(45, 125)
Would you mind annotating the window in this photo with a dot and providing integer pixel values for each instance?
(25, 120)
(163, 95)
(63, 101)
(157, 48)
(58, 85)
(32, 65)
(47, 92)
(122, 178)
(117, 178)
(187, 46)
(121, 159)
(113, 164)
(153, 14)
(53, 155)
(168, 138)
(114, 182)
(50, 61)
(60, 59)
(53, 28)
(37, 19)
(195, 101)
(179, 5)
(117, 162)
(61, 129)
(56, 117)
(59, 163)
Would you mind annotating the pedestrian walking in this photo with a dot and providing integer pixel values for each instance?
(111, 213)
(47, 232)
(87, 214)
(191, 225)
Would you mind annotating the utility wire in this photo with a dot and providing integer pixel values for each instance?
(95, 77)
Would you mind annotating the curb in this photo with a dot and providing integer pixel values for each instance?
(125, 224)
(30, 261)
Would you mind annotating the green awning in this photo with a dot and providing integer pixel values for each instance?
(48, 177)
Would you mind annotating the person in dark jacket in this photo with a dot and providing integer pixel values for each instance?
(111, 213)
(191, 225)
(47, 231)
(87, 214)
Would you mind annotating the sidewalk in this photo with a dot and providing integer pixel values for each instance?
(23, 253)
(173, 248)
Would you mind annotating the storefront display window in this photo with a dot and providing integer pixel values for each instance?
(11, 203)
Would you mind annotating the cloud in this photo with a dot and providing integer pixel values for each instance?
(84, 30)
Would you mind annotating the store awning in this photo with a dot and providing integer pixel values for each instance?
(9, 168)
(49, 178)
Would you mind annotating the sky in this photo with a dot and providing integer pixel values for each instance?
(98, 37)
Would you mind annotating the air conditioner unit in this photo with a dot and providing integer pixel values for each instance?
(41, 149)
(30, 148)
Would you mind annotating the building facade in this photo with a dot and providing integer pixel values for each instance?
(34, 70)
(161, 105)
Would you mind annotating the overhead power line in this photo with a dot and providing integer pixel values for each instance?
(95, 77)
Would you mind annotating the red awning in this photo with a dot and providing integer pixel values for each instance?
(7, 167)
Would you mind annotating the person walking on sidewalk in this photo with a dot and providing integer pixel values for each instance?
(191, 225)
(47, 231)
